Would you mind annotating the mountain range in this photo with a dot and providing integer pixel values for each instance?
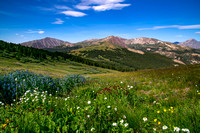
(95, 49)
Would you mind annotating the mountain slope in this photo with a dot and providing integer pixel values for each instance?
(45, 43)
(122, 57)
(191, 43)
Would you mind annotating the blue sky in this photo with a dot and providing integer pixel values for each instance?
(78, 20)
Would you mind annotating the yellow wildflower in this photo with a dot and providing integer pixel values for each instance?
(172, 111)
(169, 109)
(165, 110)
(159, 123)
(199, 93)
(158, 112)
(4, 125)
(155, 120)
(7, 121)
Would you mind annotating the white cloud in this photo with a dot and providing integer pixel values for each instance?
(74, 13)
(197, 32)
(109, 7)
(82, 7)
(62, 7)
(38, 31)
(22, 35)
(16, 34)
(101, 5)
(41, 32)
(59, 21)
(172, 26)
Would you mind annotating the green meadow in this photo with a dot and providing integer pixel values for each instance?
(154, 100)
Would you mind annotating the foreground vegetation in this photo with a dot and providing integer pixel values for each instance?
(162, 100)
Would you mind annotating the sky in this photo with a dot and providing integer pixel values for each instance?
(78, 20)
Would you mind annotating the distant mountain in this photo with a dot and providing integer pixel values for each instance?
(45, 43)
(111, 41)
(142, 40)
(179, 54)
(176, 42)
(191, 43)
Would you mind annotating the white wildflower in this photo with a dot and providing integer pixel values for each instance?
(105, 98)
(89, 102)
(108, 107)
(164, 127)
(115, 109)
(88, 116)
(114, 124)
(154, 129)
(124, 116)
(144, 118)
(186, 130)
(121, 82)
(122, 121)
(92, 129)
(176, 129)
(78, 107)
(126, 124)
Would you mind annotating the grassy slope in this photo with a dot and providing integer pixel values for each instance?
(54, 69)
(123, 57)
(156, 90)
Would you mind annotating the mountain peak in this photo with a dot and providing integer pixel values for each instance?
(191, 43)
(46, 42)
(114, 40)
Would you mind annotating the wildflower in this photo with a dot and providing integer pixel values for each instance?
(165, 110)
(89, 102)
(4, 125)
(108, 107)
(122, 121)
(124, 116)
(155, 120)
(154, 129)
(78, 107)
(164, 127)
(154, 102)
(15, 79)
(186, 130)
(158, 112)
(50, 95)
(171, 107)
(105, 98)
(92, 129)
(121, 82)
(172, 111)
(176, 129)
(88, 116)
(199, 93)
(159, 123)
(114, 124)
(7, 121)
(115, 109)
(144, 118)
(126, 124)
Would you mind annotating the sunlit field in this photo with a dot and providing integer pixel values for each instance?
(161, 100)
